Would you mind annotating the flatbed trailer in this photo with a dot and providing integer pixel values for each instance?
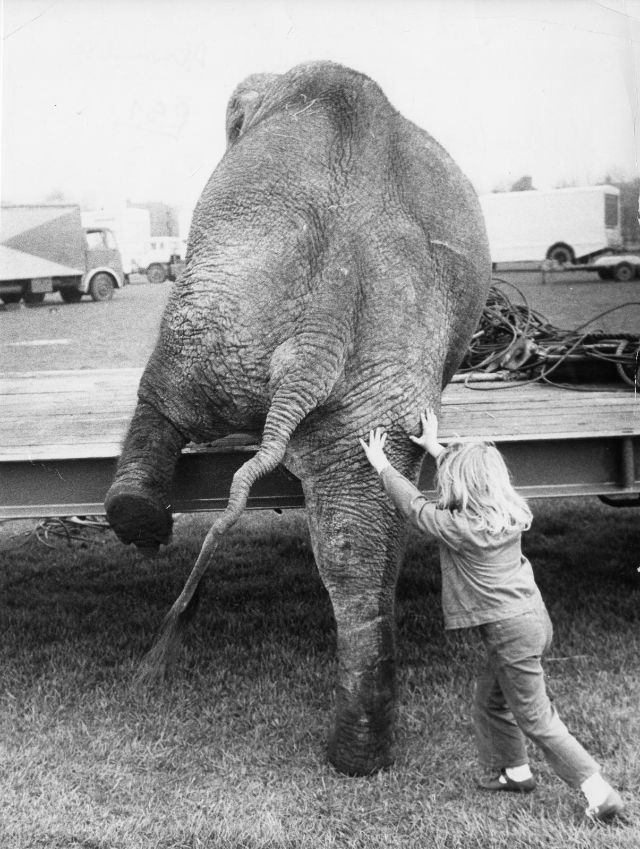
(621, 267)
(61, 433)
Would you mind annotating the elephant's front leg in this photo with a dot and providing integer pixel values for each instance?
(358, 541)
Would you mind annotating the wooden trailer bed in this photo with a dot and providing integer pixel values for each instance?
(60, 436)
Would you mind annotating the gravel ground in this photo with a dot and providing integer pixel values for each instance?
(53, 335)
(121, 332)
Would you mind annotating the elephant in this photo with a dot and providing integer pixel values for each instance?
(336, 267)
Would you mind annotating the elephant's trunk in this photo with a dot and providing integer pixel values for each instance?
(138, 503)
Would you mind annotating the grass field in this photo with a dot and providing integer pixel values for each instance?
(231, 752)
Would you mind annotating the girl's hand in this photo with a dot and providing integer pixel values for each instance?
(428, 440)
(375, 449)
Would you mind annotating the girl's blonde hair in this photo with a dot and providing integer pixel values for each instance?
(473, 478)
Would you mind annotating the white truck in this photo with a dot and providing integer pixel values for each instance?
(45, 248)
(561, 225)
(165, 258)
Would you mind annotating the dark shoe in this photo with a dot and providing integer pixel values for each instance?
(501, 781)
(612, 807)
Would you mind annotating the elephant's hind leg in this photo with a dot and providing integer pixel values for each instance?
(357, 543)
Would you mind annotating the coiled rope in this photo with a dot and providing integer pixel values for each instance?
(512, 336)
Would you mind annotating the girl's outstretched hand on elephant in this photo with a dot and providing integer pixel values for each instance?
(375, 449)
(428, 440)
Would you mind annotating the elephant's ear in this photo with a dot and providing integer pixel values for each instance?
(245, 102)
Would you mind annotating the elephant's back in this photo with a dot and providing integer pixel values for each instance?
(436, 193)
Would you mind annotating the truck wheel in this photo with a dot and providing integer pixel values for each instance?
(69, 295)
(561, 253)
(156, 273)
(623, 272)
(11, 298)
(32, 298)
(101, 287)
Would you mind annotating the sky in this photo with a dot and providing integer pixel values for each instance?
(108, 101)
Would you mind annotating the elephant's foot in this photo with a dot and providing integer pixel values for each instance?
(362, 741)
(139, 516)
(360, 753)
(137, 503)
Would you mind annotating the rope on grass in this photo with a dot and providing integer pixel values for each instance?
(69, 528)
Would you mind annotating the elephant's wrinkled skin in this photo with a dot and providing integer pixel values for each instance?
(337, 265)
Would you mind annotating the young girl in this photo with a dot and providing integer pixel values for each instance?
(487, 583)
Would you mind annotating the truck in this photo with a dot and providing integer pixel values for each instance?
(563, 226)
(132, 228)
(165, 258)
(44, 248)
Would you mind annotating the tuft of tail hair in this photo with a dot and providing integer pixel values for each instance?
(157, 663)
(161, 658)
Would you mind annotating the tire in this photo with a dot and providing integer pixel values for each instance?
(101, 287)
(156, 273)
(562, 254)
(32, 298)
(605, 273)
(70, 295)
(623, 272)
(11, 297)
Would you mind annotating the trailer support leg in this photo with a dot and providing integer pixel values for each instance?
(628, 477)
(628, 465)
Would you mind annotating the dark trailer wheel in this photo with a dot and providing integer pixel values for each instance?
(623, 272)
(70, 295)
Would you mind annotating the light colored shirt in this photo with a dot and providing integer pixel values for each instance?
(485, 577)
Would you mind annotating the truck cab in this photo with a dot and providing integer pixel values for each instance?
(102, 260)
(101, 248)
